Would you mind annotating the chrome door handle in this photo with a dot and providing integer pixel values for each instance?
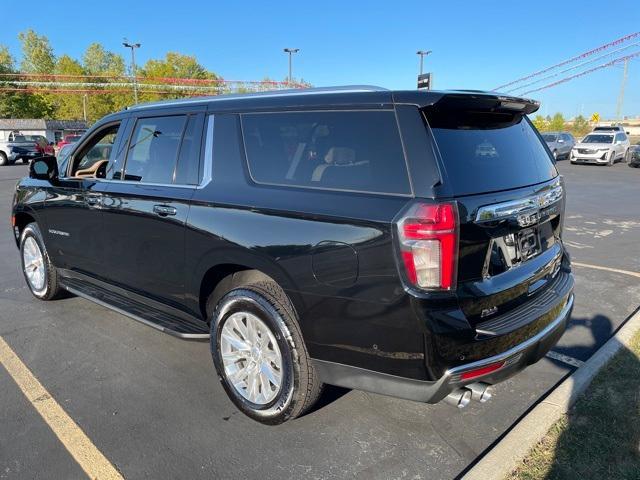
(164, 210)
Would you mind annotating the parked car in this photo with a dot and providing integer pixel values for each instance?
(560, 143)
(634, 156)
(43, 146)
(68, 139)
(407, 243)
(601, 148)
(17, 147)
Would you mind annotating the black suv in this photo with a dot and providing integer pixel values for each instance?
(400, 242)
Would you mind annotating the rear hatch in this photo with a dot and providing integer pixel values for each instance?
(510, 201)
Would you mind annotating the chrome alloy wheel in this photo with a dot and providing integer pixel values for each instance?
(251, 358)
(33, 264)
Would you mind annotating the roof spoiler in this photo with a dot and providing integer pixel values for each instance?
(468, 100)
(487, 102)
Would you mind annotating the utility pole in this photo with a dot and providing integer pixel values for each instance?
(422, 54)
(625, 74)
(84, 106)
(291, 51)
(133, 46)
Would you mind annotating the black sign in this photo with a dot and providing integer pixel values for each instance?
(424, 81)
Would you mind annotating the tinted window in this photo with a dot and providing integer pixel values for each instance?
(153, 149)
(485, 152)
(549, 137)
(333, 150)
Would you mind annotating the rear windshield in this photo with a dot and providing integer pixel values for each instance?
(488, 152)
(548, 137)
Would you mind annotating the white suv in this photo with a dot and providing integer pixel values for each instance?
(602, 146)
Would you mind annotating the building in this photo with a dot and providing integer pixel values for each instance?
(53, 130)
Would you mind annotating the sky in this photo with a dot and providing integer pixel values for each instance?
(476, 45)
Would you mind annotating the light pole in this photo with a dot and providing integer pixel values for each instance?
(422, 54)
(84, 106)
(291, 51)
(133, 46)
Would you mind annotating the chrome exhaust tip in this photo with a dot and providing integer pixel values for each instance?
(480, 392)
(459, 398)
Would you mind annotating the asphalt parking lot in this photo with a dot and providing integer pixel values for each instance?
(151, 404)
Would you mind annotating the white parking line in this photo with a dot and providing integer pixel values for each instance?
(606, 269)
(574, 362)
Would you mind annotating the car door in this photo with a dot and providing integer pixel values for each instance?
(619, 145)
(147, 204)
(567, 145)
(73, 214)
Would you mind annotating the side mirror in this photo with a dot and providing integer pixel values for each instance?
(44, 168)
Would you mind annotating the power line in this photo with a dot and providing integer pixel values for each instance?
(573, 59)
(574, 67)
(599, 67)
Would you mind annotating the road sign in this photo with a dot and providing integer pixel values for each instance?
(425, 81)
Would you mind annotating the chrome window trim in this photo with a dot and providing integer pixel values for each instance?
(501, 211)
(207, 166)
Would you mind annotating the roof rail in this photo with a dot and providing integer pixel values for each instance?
(270, 93)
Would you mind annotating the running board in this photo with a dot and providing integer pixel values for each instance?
(164, 322)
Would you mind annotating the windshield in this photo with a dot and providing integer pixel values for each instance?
(19, 138)
(549, 137)
(598, 139)
(488, 152)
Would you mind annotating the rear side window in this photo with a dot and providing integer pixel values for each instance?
(487, 152)
(350, 150)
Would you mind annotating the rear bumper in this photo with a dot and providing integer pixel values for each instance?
(515, 359)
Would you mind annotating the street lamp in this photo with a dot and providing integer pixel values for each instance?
(291, 51)
(422, 54)
(133, 46)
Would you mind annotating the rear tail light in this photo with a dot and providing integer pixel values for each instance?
(428, 244)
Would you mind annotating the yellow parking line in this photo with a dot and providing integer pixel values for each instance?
(606, 269)
(94, 463)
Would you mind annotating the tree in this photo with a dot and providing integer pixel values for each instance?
(540, 123)
(15, 104)
(175, 65)
(580, 126)
(97, 61)
(37, 54)
(37, 58)
(557, 122)
(68, 105)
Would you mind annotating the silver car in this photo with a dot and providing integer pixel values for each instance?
(560, 143)
(604, 148)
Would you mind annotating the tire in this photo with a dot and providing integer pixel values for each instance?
(44, 283)
(3, 159)
(625, 157)
(299, 385)
(612, 159)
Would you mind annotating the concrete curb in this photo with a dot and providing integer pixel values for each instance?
(502, 459)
